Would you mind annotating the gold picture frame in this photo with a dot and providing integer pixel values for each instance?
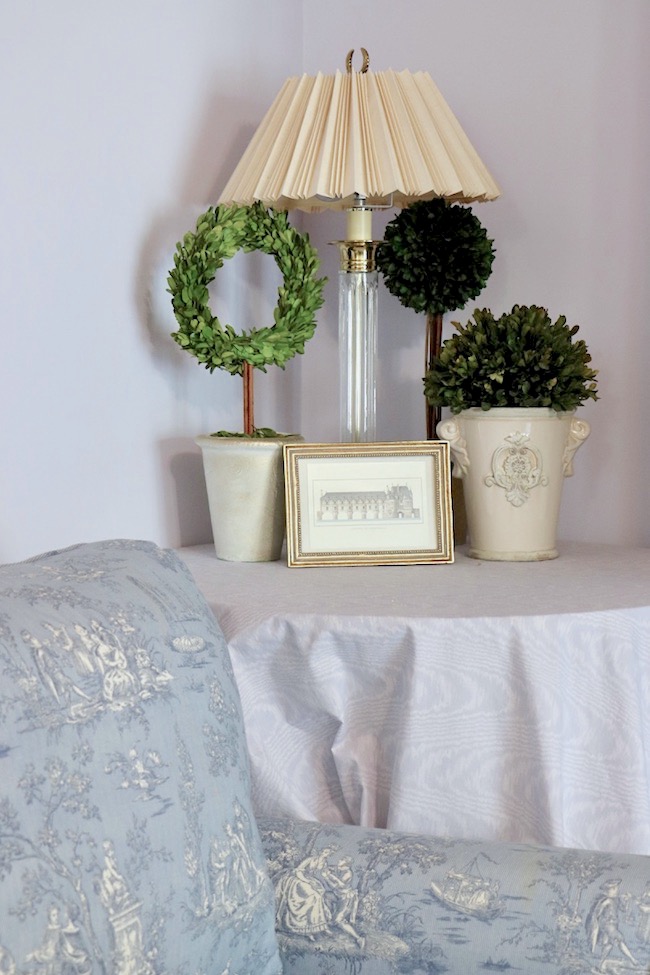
(368, 504)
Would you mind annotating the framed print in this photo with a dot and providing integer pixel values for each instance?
(368, 504)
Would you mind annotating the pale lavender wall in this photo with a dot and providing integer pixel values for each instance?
(121, 121)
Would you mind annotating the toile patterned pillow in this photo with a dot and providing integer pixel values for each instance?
(377, 902)
(127, 840)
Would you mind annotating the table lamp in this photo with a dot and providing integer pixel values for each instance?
(358, 141)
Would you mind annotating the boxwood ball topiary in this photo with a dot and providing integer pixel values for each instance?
(435, 256)
(521, 359)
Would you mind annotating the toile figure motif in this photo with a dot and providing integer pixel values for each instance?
(326, 900)
(574, 918)
(234, 880)
(62, 949)
(124, 916)
(225, 881)
(80, 671)
(643, 923)
(603, 924)
(318, 897)
(467, 890)
(589, 928)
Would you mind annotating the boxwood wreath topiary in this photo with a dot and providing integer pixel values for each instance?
(435, 257)
(521, 359)
(220, 233)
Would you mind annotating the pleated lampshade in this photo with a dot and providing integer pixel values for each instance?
(386, 136)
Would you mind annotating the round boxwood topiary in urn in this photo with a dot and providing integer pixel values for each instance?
(513, 384)
(520, 359)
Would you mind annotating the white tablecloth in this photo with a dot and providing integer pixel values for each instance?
(493, 700)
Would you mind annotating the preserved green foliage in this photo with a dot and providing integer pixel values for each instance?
(259, 433)
(221, 232)
(435, 256)
(521, 359)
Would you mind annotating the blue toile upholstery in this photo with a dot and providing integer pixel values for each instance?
(128, 844)
(127, 841)
(374, 901)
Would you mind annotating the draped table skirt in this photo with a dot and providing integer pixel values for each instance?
(500, 701)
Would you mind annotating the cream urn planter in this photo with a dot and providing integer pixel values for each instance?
(513, 463)
(245, 484)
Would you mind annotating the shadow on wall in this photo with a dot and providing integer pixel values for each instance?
(154, 302)
(211, 157)
(184, 494)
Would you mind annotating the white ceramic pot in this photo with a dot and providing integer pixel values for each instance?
(513, 463)
(245, 484)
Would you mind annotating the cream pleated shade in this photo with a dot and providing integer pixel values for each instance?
(387, 136)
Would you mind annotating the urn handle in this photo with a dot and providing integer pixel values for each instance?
(578, 433)
(449, 430)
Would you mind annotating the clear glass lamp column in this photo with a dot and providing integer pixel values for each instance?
(358, 283)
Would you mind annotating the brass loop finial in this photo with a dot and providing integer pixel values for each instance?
(364, 65)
